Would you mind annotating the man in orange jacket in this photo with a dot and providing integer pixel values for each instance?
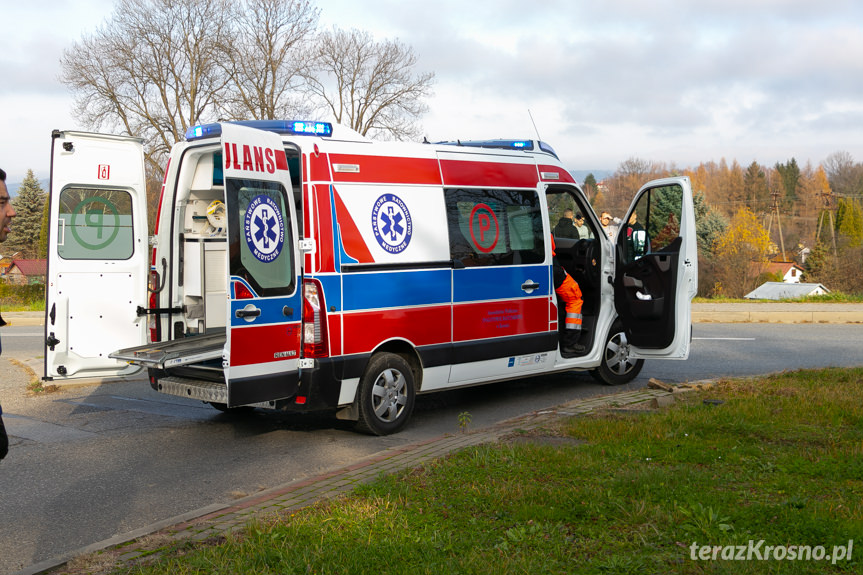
(568, 290)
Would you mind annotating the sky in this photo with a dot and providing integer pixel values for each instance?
(672, 81)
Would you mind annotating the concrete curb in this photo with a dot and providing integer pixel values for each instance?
(218, 520)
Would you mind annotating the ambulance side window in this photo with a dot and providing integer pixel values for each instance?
(260, 236)
(96, 225)
(494, 227)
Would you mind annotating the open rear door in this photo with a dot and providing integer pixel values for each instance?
(264, 291)
(656, 270)
(97, 254)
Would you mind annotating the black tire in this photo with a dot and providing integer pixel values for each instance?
(386, 395)
(617, 367)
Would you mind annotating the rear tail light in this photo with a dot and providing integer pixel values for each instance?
(314, 320)
(241, 291)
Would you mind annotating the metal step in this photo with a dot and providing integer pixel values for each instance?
(210, 391)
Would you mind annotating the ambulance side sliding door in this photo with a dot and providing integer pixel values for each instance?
(501, 283)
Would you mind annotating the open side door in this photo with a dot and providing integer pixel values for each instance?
(97, 254)
(656, 270)
(264, 303)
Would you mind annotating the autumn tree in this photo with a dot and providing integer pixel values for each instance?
(740, 255)
(29, 204)
(369, 85)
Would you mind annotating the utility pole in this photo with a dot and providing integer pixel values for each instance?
(774, 211)
(827, 200)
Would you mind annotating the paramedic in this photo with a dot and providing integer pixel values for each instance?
(568, 290)
(7, 212)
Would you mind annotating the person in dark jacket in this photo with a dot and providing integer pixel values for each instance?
(7, 212)
(565, 227)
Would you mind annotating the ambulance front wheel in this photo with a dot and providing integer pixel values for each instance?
(386, 395)
(617, 367)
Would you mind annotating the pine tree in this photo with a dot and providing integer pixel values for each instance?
(850, 223)
(27, 225)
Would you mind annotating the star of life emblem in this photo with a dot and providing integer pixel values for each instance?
(392, 224)
(264, 228)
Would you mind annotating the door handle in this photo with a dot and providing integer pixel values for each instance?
(529, 286)
(52, 341)
(248, 313)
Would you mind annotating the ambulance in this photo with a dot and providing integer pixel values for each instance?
(301, 266)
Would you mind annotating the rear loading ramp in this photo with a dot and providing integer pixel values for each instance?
(174, 353)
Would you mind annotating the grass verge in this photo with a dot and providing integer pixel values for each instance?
(778, 459)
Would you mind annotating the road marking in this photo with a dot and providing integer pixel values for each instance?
(728, 338)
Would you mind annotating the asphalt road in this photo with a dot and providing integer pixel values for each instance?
(93, 461)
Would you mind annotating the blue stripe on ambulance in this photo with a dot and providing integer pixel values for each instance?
(376, 290)
(492, 283)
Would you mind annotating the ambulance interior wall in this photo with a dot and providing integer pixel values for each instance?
(203, 249)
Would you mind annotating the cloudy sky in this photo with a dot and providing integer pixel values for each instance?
(670, 81)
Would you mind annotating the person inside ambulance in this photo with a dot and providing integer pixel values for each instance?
(568, 290)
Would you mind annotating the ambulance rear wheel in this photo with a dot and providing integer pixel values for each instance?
(617, 367)
(386, 395)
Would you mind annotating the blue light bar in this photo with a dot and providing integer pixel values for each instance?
(293, 127)
(521, 145)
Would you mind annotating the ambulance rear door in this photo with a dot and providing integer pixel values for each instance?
(97, 254)
(656, 270)
(264, 303)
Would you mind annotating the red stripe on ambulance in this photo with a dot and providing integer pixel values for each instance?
(352, 241)
(387, 170)
(499, 318)
(264, 344)
(461, 173)
(364, 331)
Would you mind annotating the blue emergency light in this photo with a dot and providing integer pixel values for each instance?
(521, 145)
(293, 127)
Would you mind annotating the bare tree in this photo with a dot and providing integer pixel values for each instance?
(844, 174)
(368, 85)
(151, 71)
(266, 59)
(157, 67)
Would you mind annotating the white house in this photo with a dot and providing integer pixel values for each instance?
(782, 290)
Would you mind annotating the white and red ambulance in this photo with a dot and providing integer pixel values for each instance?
(299, 265)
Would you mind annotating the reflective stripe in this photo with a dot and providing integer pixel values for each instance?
(573, 321)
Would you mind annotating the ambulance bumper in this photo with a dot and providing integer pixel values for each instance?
(320, 385)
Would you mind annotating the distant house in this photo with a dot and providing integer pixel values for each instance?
(23, 272)
(789, 271)
(782, 290)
